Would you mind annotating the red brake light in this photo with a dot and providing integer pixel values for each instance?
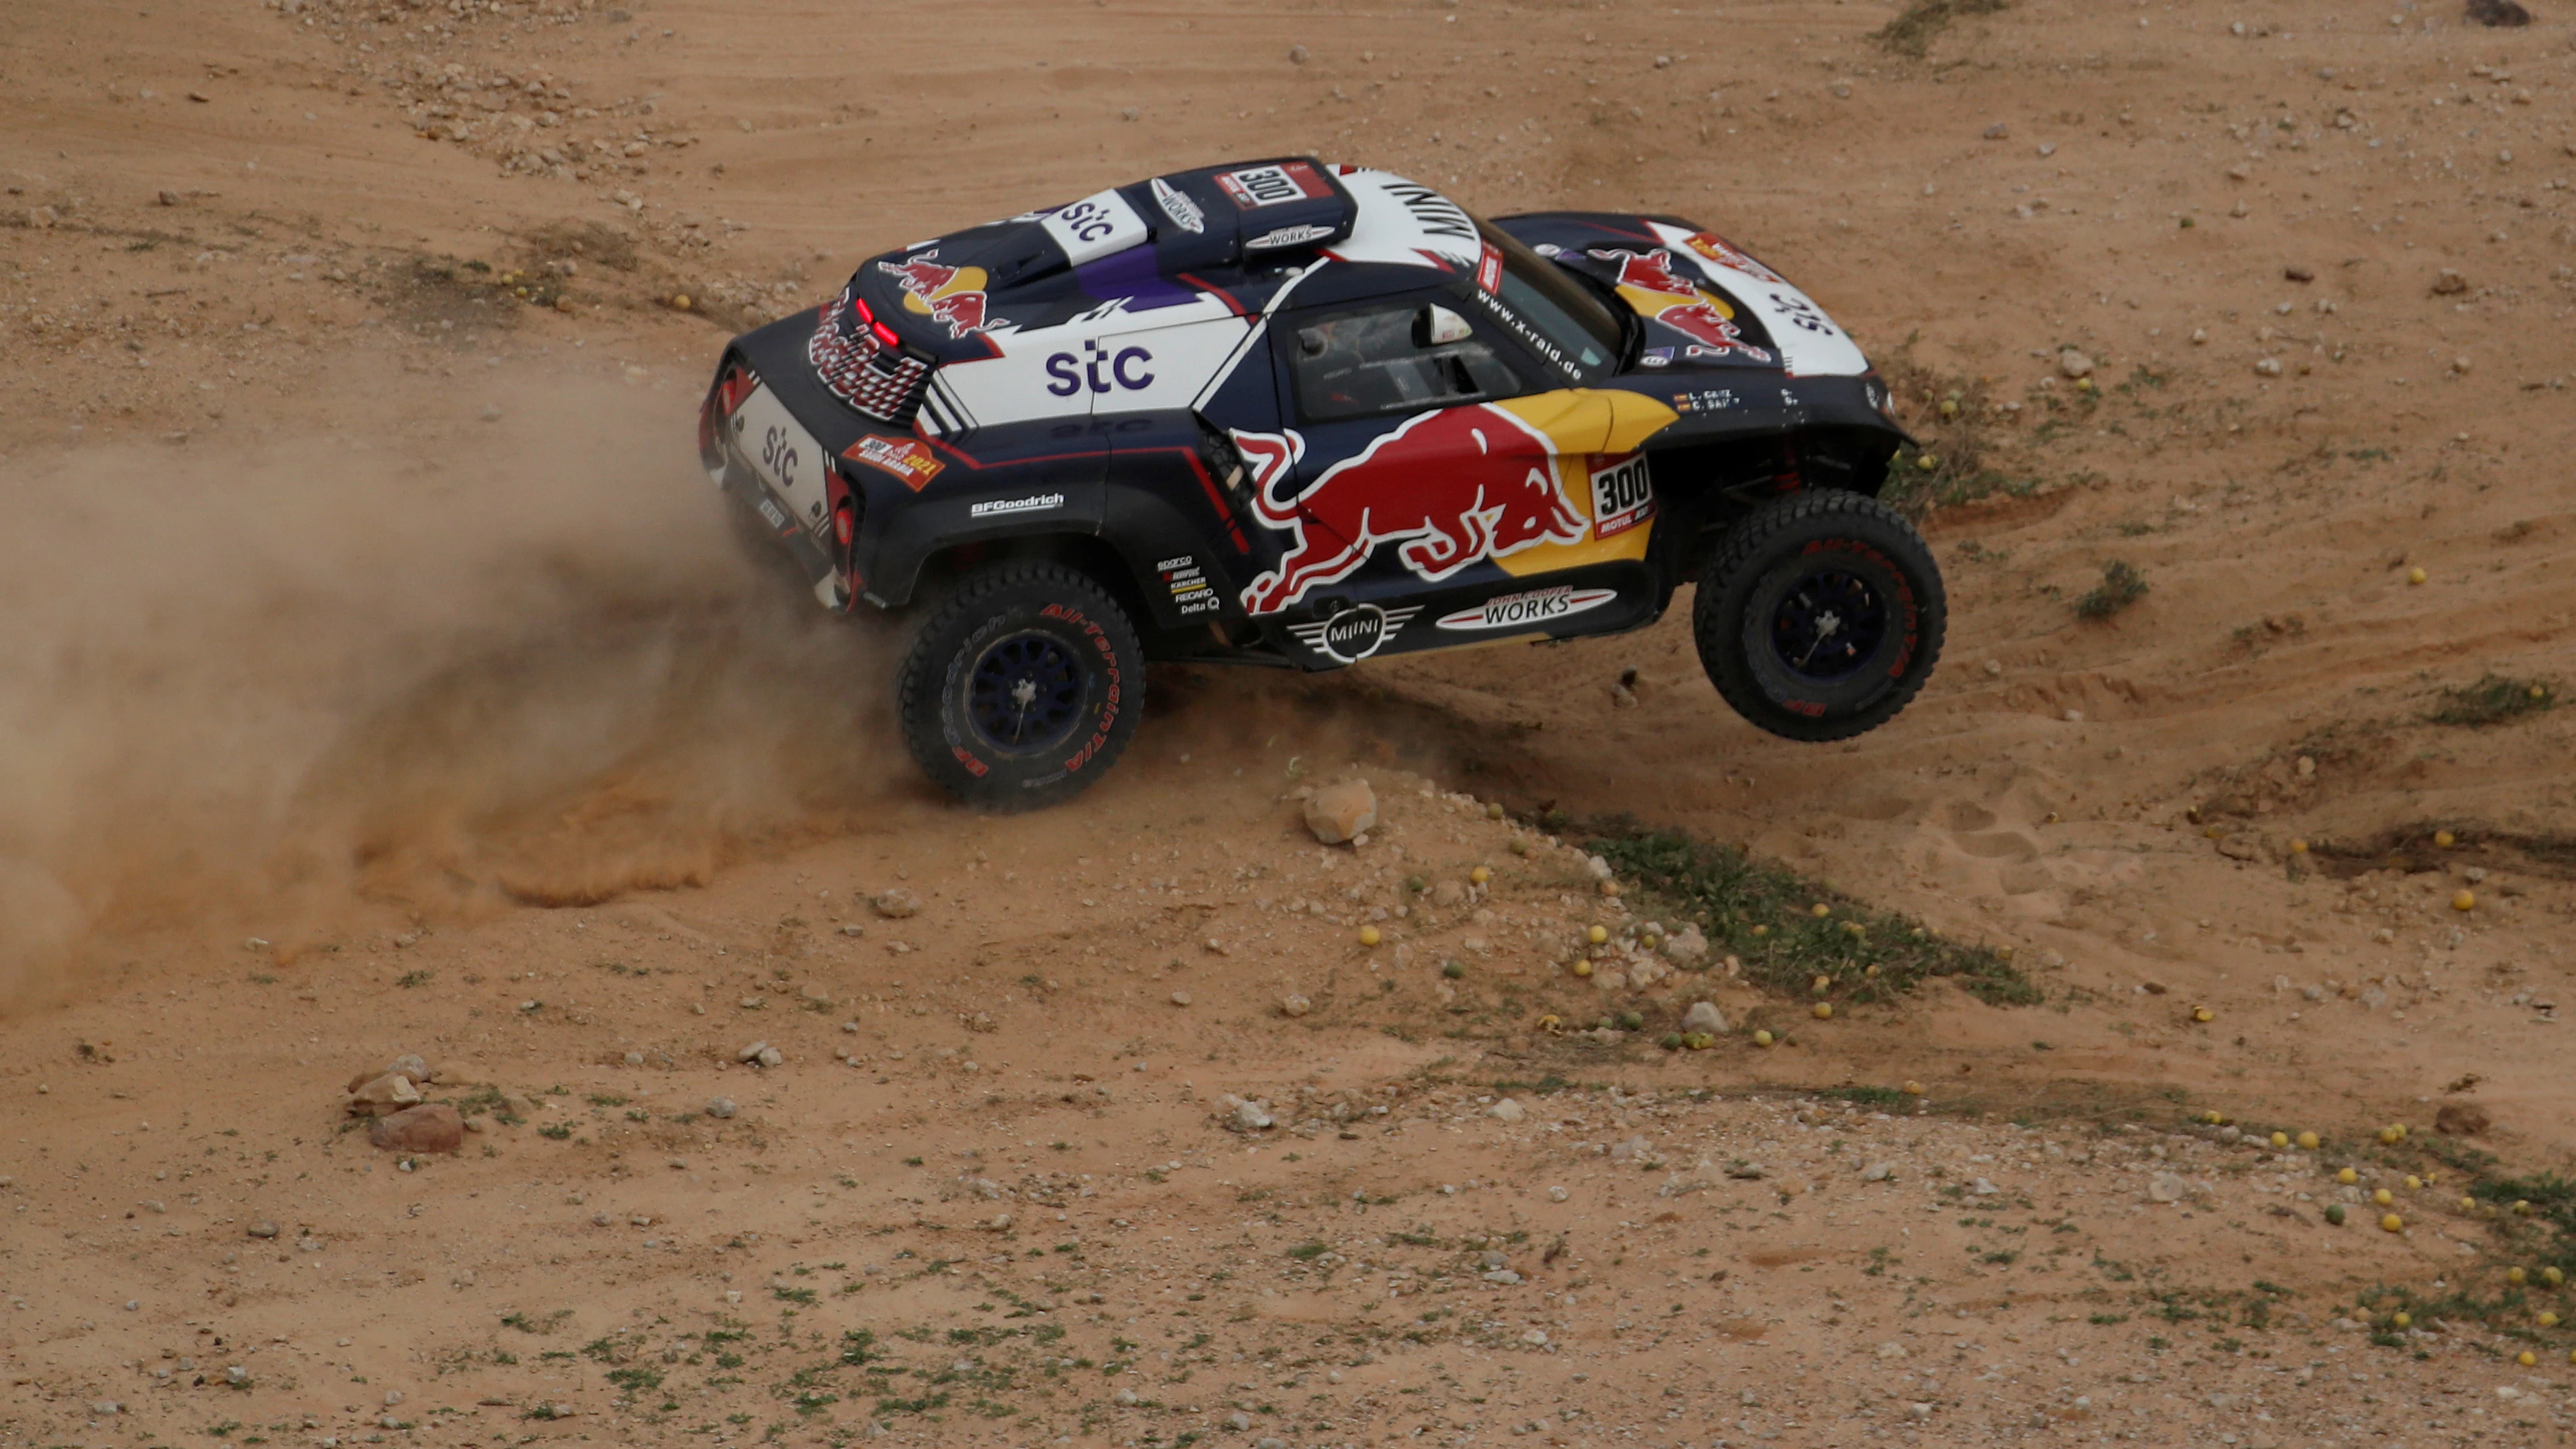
(885, 334)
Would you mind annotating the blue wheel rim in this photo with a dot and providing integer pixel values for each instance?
(1025, 693)
(1828, 625)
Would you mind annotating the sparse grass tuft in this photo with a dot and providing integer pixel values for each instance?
(2121, 586)
(1919, 24)
(2493, 700)
(1765, 916)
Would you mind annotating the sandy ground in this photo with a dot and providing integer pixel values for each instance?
(378, 679)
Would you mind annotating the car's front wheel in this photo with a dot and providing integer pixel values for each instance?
(1821, 615)
(1022, 686)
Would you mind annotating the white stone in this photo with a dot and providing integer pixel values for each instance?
(1507, 1110)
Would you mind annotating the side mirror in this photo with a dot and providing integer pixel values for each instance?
(1439, 327)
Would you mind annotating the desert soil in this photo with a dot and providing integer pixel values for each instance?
(377, 679)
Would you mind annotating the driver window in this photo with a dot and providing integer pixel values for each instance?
(1394, 358)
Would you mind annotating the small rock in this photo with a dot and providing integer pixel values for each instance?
(751, 1053)
(1297, 55)
(237, 1376)
(2268, 367)
(2072, 363)
(1295, 1006)
(1338, 812)
(1998, 132)
(1557, 1194)
(1686, 947)
(1878, 1172)
(1891, 1349)
(2298, 274)
(383, 1097)
(1983, 1188)
(2449, 284)
(430, 1127)
(1249, 1116)
(105, 1407)
(1124, 1398)
(895, 903)
(1745, 1171)
(2167, 1187)
(2461, 1119)
(406, 1065)
(262, 1229)
(1535, 1338)
(1704, 1016)
(721, 1108)
(1504, 1276)
(1507, 1110)
(2498, 13)
(1238, 1421)
(1180, 998)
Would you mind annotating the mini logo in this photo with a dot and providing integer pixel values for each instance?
(1287, 236)
(1184, 212)
(1353, 634)
(1002, 507)
(1523, 611)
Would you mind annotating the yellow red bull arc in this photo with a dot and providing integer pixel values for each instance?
(1291, 413)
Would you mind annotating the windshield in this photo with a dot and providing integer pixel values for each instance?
(1581, 336)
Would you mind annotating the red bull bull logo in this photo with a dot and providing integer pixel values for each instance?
(1649, 285)
(1451, 488)
(953, 295)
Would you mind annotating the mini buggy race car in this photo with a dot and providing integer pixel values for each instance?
(1289, 413)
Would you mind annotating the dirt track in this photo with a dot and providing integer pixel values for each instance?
(363, 607)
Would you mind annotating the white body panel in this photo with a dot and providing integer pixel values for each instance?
(1810, 344)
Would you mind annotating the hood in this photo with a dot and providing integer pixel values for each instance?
(1706, 303)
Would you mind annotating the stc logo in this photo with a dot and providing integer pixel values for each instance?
(1099, 369)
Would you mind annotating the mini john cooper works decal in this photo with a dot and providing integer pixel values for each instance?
(1529, 610)
(906, 458)
(1177, 205)
(954, 295)
(1354, 634)
(1623, 496)
(1005, 507)
(1453, 487)
(1287, 236)
(1270, 185)
(1648, 284)
(1191, 591)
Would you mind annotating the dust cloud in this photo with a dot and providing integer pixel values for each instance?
(523, 661)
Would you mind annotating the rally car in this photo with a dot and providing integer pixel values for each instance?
(1290, 413)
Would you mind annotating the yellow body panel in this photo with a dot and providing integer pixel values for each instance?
(1590, 432)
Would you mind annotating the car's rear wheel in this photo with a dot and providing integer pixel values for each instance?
(1022, 686)
(1821, 615)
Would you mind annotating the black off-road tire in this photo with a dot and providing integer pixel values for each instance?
(967, 719)
(1820, 615)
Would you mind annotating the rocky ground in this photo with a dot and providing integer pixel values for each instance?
(378, 682)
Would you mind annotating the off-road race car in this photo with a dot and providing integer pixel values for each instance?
(1282, 412)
